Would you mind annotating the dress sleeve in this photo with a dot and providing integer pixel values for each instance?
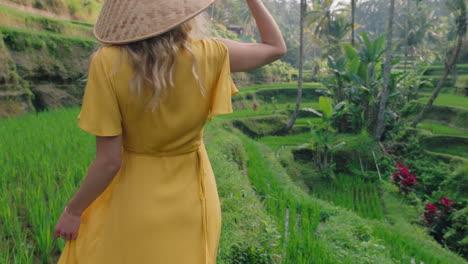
(100, 114)
(224, 86)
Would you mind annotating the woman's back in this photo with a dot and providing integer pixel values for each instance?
(176, 125)
(150, 195)
(165, 187)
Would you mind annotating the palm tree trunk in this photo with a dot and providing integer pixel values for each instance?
(388, 66)
(353, 17)
(406, 36)
(301, 68)
(448, 68)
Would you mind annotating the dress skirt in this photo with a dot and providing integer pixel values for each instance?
(159, 209)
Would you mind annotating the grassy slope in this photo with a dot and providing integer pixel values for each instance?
(79, 10)
(397, 212)
(344, 237)
(10, 17)
(41, 170)
(316, 232)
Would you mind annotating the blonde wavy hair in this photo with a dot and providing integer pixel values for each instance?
(154, 59)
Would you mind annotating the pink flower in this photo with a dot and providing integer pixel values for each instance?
(400, 165)
(431, 208)
(446, 202)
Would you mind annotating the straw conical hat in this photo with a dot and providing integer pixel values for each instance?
(125, 21)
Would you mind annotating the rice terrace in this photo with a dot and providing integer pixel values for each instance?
(353, 148)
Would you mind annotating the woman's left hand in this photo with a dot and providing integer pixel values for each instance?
(67, 226)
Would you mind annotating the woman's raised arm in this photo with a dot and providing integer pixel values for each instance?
(250, 56)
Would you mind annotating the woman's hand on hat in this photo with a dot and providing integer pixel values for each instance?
(250, 56)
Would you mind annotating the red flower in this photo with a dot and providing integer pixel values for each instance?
(395, 176)
(431, 208)
(446, 202)
(403, 179)
(430, 214)
(412, 178)
(404, 171)
(409, 180)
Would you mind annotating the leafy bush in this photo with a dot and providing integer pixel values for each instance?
(247, 254)
(404, 180)
(448, 225)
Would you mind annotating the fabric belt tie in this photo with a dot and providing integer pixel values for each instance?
(202, 196)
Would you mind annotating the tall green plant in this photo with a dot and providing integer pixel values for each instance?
(357, 79)
(323, 140)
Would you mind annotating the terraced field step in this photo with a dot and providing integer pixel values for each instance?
(12, 93)
(292, 85)
(438, 128)
(451, 100)
(449, 82)
(18, 39)
(13, 18)
(438, 69)
(452, 145)
(32, 10)
(448, 158)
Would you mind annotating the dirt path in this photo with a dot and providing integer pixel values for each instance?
(33, 10)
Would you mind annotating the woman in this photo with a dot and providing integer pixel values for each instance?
(150, 194)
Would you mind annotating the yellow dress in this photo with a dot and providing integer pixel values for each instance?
(162, 207)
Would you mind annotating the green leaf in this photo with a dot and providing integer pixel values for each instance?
(357, 79)
(331, 62)
(307, 109)
(379, 46)
(352, 58)
(362, 72)
(365, 38)
(340, 105)
(326, 106)
(339, 145)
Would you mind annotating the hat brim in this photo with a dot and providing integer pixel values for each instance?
(105, 37)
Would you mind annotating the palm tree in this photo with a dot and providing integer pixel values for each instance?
(301, 67)
(418, 30)
(388, 65)
(329, 26)
(334, 33)
(458, 8)
(318, 17)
